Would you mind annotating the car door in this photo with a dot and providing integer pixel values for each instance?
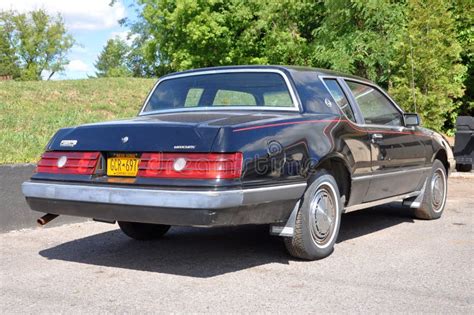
(397, 154)
(355, 146)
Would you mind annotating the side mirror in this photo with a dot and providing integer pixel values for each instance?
(411, 119)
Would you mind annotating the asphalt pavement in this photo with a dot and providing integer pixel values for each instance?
(384, 261)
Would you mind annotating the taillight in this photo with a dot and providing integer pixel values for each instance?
(79, 163)
(191, 165)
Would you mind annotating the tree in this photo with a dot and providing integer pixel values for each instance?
(417, 49)
(143, 59)
(183, 34)
(463, 14)
(353, 36)
(33, 42)
(358, 37)
(112, 61)
(428, 73)
(8, 57)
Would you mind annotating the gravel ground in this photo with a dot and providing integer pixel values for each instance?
(384, 261)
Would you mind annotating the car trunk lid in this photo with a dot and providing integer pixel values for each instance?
(136, 137)
(185, 131)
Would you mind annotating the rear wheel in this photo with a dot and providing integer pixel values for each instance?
(143, 231)
(434, 198)
(318, 220)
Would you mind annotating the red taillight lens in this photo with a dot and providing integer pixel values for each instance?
(79, 163)
(191, 165)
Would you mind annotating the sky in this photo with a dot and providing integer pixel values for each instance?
(90, 22)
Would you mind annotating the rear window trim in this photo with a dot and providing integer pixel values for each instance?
(295, 108)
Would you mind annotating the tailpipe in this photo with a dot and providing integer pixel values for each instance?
(46, 218)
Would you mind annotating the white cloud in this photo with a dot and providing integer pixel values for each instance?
(78, 15)
(78, 65)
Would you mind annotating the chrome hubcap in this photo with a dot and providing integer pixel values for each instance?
(323, 215)
(438, 187)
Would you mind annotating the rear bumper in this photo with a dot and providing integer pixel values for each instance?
(165, 206)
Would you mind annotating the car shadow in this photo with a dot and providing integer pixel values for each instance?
(203, 253)
(371, 220)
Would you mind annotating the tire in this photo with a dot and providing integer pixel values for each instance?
(463, 167)
(314, 235)
(143, 231)
(434, 198)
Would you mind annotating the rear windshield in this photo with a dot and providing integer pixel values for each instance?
(249, 90)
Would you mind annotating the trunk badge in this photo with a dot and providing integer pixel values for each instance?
(124, 139)
(184, 147)
(68, 143)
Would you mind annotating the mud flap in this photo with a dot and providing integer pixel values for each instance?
(286, 230)
(415, 202)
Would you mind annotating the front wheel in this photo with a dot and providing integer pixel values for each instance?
(318, 220)
(143, 231)
(434, 198)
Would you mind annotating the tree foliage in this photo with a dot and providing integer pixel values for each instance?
(187, 34)
(359, 36)
(31, 43)
(112, 61)
(377, 39)
(429, 75)
(463, 14)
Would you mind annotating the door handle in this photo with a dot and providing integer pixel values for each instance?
(376, 137)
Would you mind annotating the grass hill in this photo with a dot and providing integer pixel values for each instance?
(31, 112)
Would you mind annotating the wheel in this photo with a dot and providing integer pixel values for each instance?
(143, 231)
(463, 167)
(434, 198)
(318, 219)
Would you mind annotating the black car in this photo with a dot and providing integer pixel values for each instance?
(286, 146)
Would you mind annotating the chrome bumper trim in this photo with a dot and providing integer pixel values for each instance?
(163, 198)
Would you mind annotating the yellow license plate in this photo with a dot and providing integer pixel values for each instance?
(122, 166)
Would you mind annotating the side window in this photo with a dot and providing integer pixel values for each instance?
(340, 98)
(375, 107)
(235, 98)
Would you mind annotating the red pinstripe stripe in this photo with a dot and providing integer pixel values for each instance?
(351, 124)
(286, 123)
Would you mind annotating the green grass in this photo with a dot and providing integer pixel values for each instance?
(31, 112)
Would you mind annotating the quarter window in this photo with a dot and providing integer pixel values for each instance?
(340, 98)
(375, 107)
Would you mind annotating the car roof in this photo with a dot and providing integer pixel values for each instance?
(290, 69)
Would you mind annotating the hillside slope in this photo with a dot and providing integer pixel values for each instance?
(31, 112)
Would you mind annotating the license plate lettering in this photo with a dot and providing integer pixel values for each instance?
(122, 166)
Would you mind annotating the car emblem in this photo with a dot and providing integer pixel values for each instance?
(68, 143)
(328, 102)
(124, 139)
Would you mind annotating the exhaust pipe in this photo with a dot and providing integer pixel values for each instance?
(46, 218)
